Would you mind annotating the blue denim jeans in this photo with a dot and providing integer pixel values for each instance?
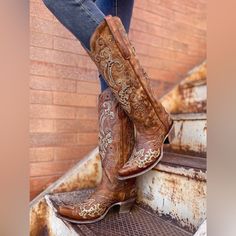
(81, 17)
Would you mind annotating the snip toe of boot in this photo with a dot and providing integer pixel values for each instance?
(66, 211)
(126, 171)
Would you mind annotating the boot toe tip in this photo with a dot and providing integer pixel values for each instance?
(123, 171)
(128, 170)
(65, 211)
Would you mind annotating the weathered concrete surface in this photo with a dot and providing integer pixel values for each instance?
(190, 95)
(38, 218)
(86, 174)
(202, 231)
(58, 227)
(189, 134)
(175, 193)
(178, 193)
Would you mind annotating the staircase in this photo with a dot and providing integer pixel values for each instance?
(171, 197)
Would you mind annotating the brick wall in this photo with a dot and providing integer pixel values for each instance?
(169, 37)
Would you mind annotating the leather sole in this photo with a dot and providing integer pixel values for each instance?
(150, 167)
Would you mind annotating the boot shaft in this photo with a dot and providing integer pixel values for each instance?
(116, 59)
(116, 135)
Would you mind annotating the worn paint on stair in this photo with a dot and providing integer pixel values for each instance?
(86, 174)
(189, 134)
(190, 96)
(175, 193)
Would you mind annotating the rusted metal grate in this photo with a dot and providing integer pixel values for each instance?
(139, 222)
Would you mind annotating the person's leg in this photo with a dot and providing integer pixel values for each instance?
(116, 131)
(121, 8)
(80, 17)
(116, 60)
(116, 138)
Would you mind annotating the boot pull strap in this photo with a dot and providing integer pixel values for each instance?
(119, 34)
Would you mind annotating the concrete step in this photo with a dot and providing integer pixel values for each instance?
(187, 105)
(138, 222)
(190, 95)
(85, 174)
(187, 99)
(189, 135)
(176, 189)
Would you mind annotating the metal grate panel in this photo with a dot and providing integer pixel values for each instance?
(139, 222)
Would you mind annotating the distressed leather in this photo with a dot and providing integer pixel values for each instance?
(116, 141)
(116, 60)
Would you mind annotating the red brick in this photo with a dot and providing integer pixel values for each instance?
(40, 97)
(155, 30)
(41, 154)
(68, 45)
(76, 153)
(52, 56)
(80, 126)
(189, 19)
(160, 53)
(159, 87)
(87, 113)
(77, 73)
(42, 68)
(149, 17)
(38, 9)
(59, 30)
(88, 88)
(41, 40)
(52, 139)
(59, 57)
(187, 29)
(154, 7)
(41, 126)
(87, 138)
(87, 126)
(155, 73)
(52, 84)
(158, 41)
(52, 111)
(38, 184)
(63, 126)
(50, 168)
(49, 27)
(41, 25)
(70, 99)
(52, 70)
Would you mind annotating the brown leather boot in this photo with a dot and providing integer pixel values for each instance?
(116, 60)
(116, 140)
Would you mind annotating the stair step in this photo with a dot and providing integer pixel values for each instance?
(176, 189)
(186, 161)
(187, 100)
(190, 95)
(189, 134)
(139, 221)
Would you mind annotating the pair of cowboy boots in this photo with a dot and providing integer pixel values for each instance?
(133, 125)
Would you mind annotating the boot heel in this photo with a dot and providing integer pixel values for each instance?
(125, 207)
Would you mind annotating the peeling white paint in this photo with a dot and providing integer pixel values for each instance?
(202, 231)
(174, 195)
(189, 133)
